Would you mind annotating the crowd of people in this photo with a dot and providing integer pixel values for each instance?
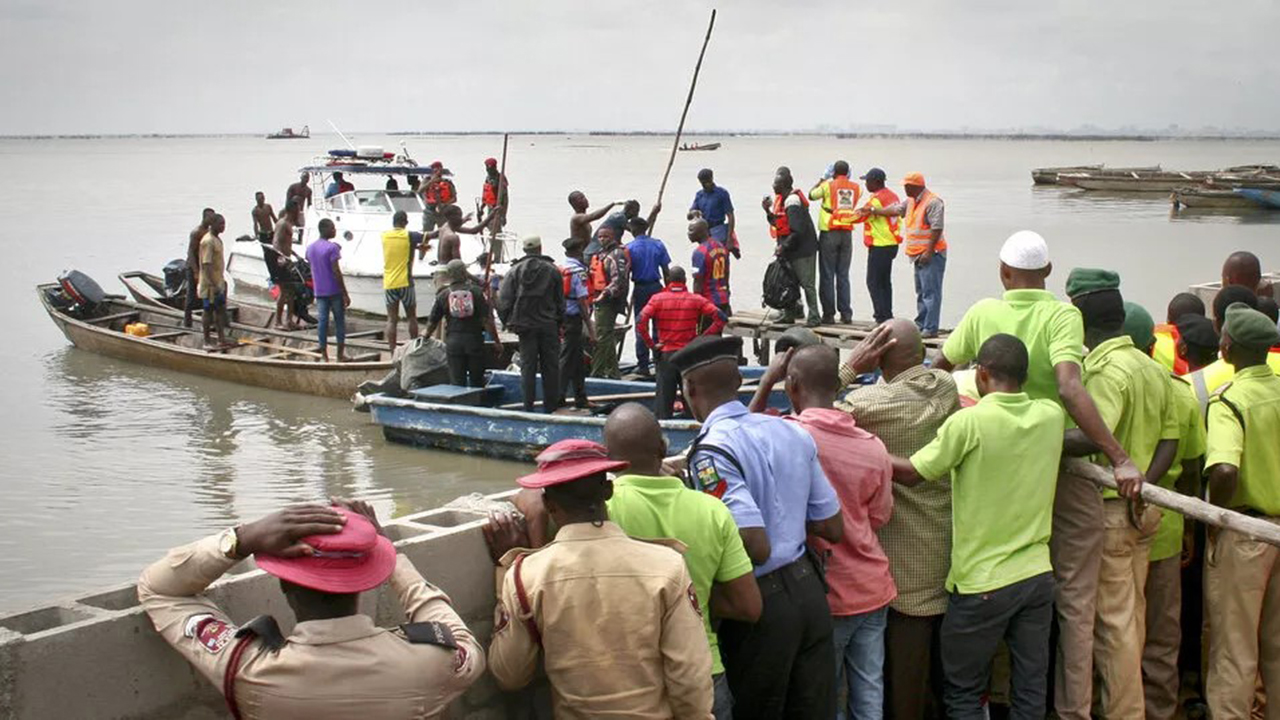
(886, 548)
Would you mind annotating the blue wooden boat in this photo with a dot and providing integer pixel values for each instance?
(1261, 197)
(481, 421)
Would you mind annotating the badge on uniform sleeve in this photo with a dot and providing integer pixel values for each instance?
(212, 634)
(693, 600)
(709, 480)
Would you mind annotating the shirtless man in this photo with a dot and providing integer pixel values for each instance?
(193, 264)
(282, 241)
(264, 217)
(580, 222)
(300, 193)
(450, 244)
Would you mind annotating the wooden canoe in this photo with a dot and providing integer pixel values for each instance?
(1208, 198)
(254, 356)
(1049, 175)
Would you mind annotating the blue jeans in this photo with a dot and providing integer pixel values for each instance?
(929, 292)
(835, 255)
(859, 643)
(323, 306)
(639, 298)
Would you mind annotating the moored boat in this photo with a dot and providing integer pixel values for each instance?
(1211, 198)
(1268, 198)
(252, 356)
(696, 147)
(1133, 181)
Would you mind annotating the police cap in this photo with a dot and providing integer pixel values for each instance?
(705, 350)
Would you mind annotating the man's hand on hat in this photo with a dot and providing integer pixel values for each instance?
(281, 532)
(777, 370)
(360, 507)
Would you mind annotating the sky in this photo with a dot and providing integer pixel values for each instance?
(231, 66)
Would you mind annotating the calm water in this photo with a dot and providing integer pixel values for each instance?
(107, 464)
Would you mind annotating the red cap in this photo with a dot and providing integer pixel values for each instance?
(570, 460)
(437, 164)
(351, 561)
(491, 162)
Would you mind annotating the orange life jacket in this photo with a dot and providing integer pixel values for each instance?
(597, 278)
(489, 196)
(441, 192)
(843, 194)
(918, 232)
(781, 226)
(886, 197)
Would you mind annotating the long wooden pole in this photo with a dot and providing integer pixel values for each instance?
(1254, 528)
(675, 144)
(497, 211)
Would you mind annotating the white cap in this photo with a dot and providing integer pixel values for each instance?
(532, 243)
(1025, 250)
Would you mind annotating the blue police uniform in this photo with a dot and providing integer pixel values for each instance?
(649, 259)
(766, 470)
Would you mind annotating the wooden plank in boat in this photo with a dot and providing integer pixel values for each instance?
(107, 319)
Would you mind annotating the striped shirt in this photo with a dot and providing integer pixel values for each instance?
(677, 312)
(905, 413)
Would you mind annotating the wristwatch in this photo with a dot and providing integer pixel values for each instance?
(229, 544)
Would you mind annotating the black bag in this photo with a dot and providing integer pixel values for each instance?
(781, 285)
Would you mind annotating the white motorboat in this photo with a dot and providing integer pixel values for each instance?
(361, 216)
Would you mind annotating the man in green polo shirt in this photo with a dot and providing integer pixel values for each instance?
(647, 504)
(1054, 336)
(1242, 575)
(1001, 456)
(1163, 589)
(1134, 398)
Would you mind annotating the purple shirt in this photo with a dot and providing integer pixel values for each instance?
(322, 254)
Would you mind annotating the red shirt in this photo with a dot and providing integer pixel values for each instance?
(677, 311)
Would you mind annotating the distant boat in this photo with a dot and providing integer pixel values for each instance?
(1049, 175)
(290, 134)
(1209, 198)
(1135, 181)
(1261, 197)
(690, 148)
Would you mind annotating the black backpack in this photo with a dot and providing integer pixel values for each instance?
(781, 285)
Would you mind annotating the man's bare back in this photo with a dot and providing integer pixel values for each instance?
(450, 245)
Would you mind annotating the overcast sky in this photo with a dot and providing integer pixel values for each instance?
(124, 66)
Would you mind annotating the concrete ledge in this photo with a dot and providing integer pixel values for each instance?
(97, 655)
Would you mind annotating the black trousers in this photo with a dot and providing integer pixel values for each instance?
(880, 280)
(465, 354)
(912, 667)
(193, 297)
(1020, 614)
(573, 365)
(540, 353)
(784, 665)
(666, 386)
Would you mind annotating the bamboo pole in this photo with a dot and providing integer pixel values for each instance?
(1253, 528)
(675, 144)
(499, 211)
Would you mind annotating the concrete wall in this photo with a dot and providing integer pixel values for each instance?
(98, 656)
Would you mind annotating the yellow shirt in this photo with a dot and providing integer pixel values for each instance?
(1191, 439)
(397, 258)
(822, 193)
(1248, 440)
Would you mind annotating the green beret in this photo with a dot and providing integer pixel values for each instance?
(1139, 325)
(1083, 281)
(1250, 328)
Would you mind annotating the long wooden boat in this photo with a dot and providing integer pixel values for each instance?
(254, 356)
(1209, 198)
(1260, 197)
(696, 147)
(1049, 175)
(490, 421)
(1134, 181)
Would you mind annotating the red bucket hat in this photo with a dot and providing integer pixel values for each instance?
(491, 162)
(570, 460)
(351, 561)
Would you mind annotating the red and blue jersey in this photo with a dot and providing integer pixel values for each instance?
(711, 271)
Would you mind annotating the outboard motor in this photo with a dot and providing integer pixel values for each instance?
(175, 278)
(85, 294)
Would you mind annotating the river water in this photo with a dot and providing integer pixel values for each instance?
(105, 464)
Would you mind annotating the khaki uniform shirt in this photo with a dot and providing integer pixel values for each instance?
(618, 623)
(212, 283)
(905, 413)
(341, 668)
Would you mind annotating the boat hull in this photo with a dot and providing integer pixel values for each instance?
(1210, 200)
(336, 380)
(1269, 199)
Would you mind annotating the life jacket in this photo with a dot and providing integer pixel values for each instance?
(441, 192)
(597, 276)
(489, 195)
(566, 274)
(918, 232)
(1166, 349)
(843, 194)
(781, 226)
(869, 224)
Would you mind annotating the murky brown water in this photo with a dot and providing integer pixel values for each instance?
(104, 464)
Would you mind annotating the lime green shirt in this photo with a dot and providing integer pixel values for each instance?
(1051, 329)
(1167, 542)
(821, 193)
(1251, 446)
(662, 507)
(1134, 398)
(1002, 456)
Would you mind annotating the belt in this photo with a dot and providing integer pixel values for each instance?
(774, 581)
(655, 281)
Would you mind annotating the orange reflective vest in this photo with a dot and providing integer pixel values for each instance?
(489, 196)
(1166, 349)
(918, 233)
(872, 229)
(781, 226)
(843, 194)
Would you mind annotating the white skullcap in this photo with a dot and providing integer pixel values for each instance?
(1025, 250)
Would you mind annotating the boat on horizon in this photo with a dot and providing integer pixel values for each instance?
(695, 147)
(291, 134)
(361, 216)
